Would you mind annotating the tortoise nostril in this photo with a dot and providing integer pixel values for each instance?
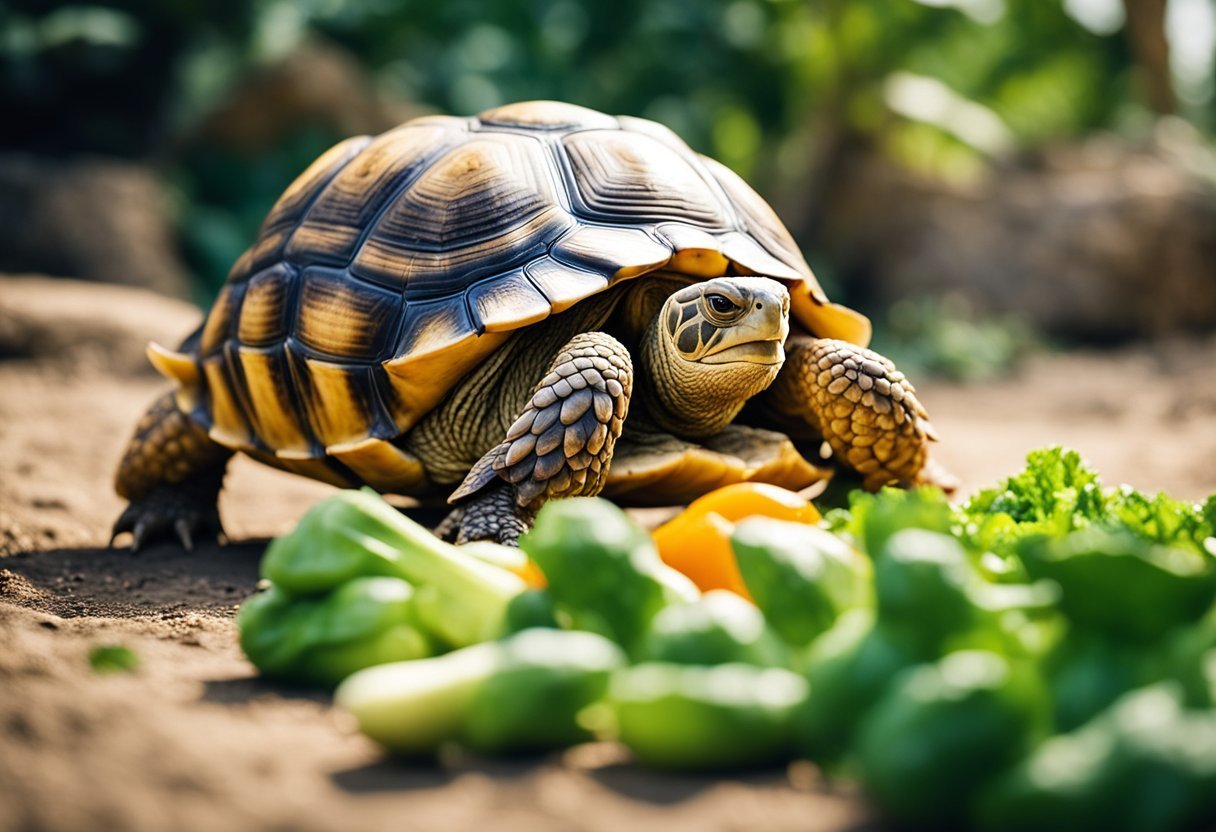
(759, 306)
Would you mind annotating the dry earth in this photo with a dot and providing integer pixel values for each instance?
(194, 740)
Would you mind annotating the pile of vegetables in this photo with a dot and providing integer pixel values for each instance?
(1040, 657)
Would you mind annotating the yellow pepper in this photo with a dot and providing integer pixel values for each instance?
(697, 541)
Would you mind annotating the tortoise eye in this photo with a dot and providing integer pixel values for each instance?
(721, 304)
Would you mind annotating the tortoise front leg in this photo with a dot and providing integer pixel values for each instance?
(864, 407)
(171, 473)
(560, 446)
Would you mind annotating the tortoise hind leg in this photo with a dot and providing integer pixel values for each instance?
(171, 475)
(560, 446)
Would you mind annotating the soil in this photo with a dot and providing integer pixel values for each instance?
(193, 739)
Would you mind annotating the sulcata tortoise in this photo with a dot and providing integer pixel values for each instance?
(541, 301)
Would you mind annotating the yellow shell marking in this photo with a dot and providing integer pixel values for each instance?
(262, 319)
(336, 317)
(275, 421)
(416, 376)
(384, 466)
(228, 425)
(312, 468)
(218, 323)
(334, 405)
(828, 320)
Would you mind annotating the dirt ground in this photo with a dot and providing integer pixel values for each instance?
(194, 740)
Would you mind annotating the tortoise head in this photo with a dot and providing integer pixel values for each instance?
(714, 345)
(729, 320)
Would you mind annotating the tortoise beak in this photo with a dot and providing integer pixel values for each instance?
(766, 352)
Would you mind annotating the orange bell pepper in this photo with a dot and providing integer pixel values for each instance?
(697, 541)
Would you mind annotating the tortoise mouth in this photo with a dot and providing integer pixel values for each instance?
(767, 352)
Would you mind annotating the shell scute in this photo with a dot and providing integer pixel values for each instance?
(616, 252)
(480, 209)
(294, 203)
(562, 284)
(506, 302)
(263, 315)
(545, 115)
(275, 418)
(220, 324)
(336, 223)
(226, 420)
(340, 400)
(341, 318)
(627, 177)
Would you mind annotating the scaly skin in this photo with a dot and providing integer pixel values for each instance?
(864, 407)
(494, 514)
(560, 446)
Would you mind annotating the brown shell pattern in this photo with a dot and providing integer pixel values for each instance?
(394, 264)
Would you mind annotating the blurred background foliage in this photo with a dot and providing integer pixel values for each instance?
(777, 89)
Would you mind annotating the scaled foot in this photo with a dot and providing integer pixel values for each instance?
(866, 410)
(494, 514)
(169, 510)
(171, 473)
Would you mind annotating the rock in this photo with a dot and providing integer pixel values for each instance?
(87, 327)
(316, 84)
(95, 219)
(1099, 241)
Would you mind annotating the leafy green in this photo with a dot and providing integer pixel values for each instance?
(1054, 495)
(113, 658)
(603, 570)
(1057, 493)
(1164, 520)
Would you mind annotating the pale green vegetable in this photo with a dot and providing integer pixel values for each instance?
(521, 694)
(412, 708)
(459, 599)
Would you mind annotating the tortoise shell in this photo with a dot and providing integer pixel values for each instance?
(394, 264)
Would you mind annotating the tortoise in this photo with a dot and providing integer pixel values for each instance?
(541, 301)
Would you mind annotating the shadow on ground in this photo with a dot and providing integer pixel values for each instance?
(161, 581)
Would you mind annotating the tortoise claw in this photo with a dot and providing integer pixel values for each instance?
(182, 527)
(492, 515)
(167, 514)
(138, 535)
